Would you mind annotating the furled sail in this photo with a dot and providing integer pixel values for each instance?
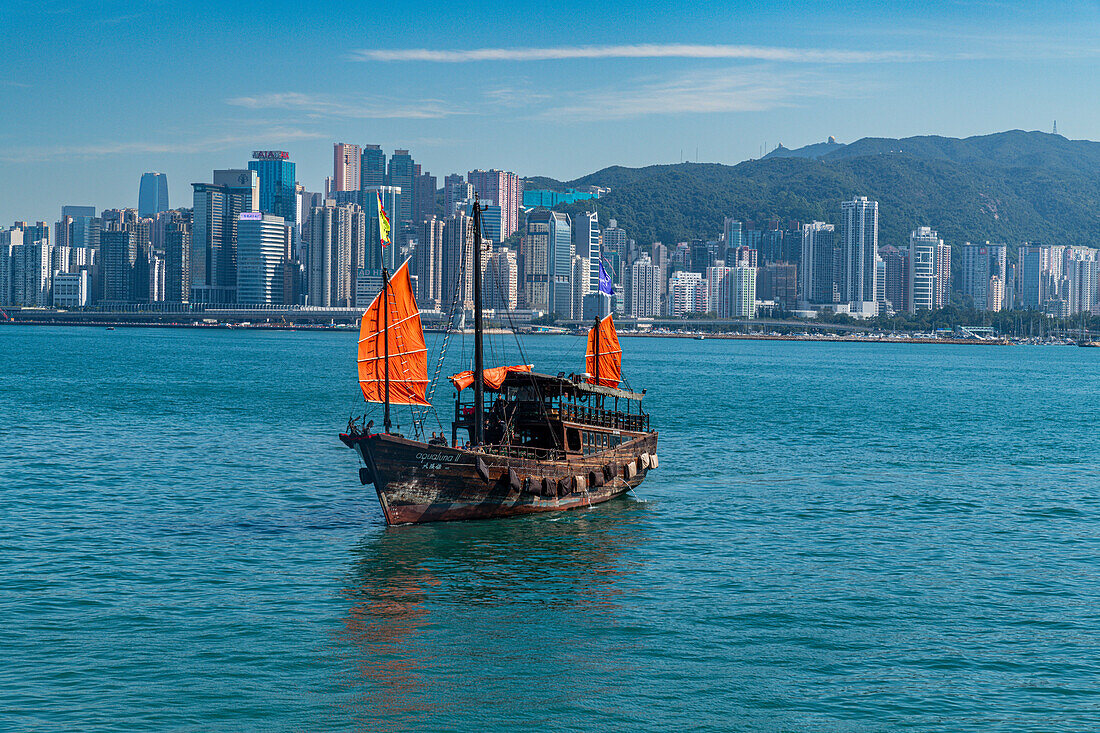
(603, 346)
(493, 377)
(393, 320)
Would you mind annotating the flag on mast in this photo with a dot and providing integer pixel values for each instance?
(383, 222)
(605, 281)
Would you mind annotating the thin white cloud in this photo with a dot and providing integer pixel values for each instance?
(639, 51)
(277, 135)
(752, 89)
(318, 106)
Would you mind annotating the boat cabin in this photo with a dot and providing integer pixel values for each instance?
(544, 416)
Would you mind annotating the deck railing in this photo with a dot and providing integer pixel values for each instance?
(603, 418)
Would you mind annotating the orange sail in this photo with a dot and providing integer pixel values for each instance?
(603, 340)
(395, 322)
(493, 377)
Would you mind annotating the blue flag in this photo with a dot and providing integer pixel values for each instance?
(605, 281)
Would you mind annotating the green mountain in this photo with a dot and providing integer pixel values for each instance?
(1008, 187)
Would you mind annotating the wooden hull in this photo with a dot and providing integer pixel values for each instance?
(417, 482)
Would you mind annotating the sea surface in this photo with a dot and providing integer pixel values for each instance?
(840, 537)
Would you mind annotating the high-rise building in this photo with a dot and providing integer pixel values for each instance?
(345, 167)
(820, 264)
(586, 243)
(119, 253)
(643, 291)
(579, 280)
(896, 267)
(731, 235)
(424, 201)
(778, 282)
(561, 264)
(263, 243)
(535, 261)
(458, 263)
(152, 194)
(337, 250)
(428, 264)
(216, 214)
(490, 220)
(980, 263)
(506, 189)
(718, 278)
(615, 246)
(743, 292)
(687, 293)
(278, 184)
(858, 278)
(1035, 282)
(11, 243)
(501, 282)
(372, 171)
(1079, 277)
(929, 270)
(402, 173)
(177, 259)
(996, 300)
(455, 192)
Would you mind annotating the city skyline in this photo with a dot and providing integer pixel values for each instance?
(713, 83)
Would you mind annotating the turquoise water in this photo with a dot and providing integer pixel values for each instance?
(841, 537)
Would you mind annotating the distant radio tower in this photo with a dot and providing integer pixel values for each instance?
(1056, 127)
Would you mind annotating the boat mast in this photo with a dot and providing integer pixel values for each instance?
(596, 358)
(386, 342)
(479, 386)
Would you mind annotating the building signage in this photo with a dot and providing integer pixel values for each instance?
(251, 216)
(270, 155)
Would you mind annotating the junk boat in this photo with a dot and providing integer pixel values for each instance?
(521, 442)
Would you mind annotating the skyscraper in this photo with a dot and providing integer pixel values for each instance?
(402, 173)
(819, 264)
(424, 201)
(743, 292)
(561, 264)
(1034, 277)
(535, 258)
(896, 266)
(428, 264)
(501, 280)
(458, 263)
(216, 214)
(929, 263)
(586, 243)
(980, 264)
(731, 234)
(614, 247)
(262, 246)
(119, 255)
(177, 259)
(858, 278)
(152, 194)
(278, 195)
(579, 282)
(643, 292)
(345, 167)
(372, 171)
(455, 192)
(337, 251)
(506, 189)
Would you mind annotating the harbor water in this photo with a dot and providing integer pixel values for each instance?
(840, 537)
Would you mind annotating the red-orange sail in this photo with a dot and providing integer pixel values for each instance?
(408, 355)
(493, 377)
(603, 340)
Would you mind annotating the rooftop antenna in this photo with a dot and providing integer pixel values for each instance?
(1056, 127)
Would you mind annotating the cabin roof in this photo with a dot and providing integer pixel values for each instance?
(572, 384)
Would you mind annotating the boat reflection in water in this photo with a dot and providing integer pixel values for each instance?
(453, 623)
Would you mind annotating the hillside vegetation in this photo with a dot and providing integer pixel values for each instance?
(1008, 187)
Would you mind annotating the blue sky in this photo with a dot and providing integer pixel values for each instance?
(97, 93)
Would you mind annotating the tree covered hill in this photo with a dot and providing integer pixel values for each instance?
(1009, 187)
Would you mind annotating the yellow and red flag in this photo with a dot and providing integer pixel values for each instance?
(383, 222)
